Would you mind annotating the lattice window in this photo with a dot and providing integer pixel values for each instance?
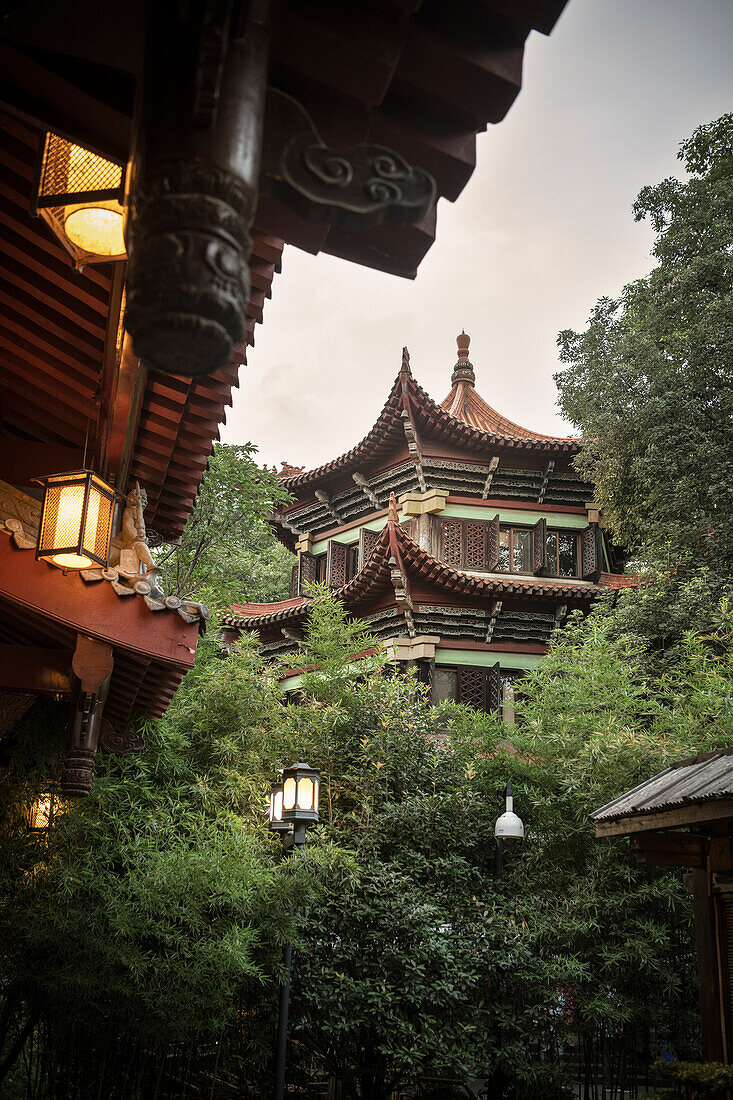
(492, 544)
(336, 564)
(474, 545)
(591, 557)
(445, 685)
(539, 548)
(307, 567)
(494, 692)
(452, 531)
(472, 687)
(294, 581)
(367, 541)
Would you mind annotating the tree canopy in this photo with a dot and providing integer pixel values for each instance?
(650, 381)
(228, 552)
(411, 959)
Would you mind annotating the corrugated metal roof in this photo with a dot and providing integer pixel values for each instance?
(685, 783)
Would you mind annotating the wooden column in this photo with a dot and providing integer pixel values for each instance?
(194, 182)
(92, 664)
(707, 968)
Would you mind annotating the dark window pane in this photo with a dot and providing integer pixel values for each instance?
(504, 538)
(352, 562)
(445, 685)
(320, 568)
(522, 554)
(551, 550)
(568, 555)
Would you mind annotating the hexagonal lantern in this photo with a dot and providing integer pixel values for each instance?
(300, 794)
(80, 195)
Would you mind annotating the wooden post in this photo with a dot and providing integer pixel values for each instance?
(707, 968)
(92, 665)
(194, 180)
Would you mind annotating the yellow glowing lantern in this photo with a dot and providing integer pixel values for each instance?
(41, 813)
(80, 195)
(300, 794)
(76, 520)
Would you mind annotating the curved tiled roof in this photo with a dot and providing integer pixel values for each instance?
(463, 418)
(465, 404)
(394, 547)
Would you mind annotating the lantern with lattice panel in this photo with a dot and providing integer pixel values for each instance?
(76, 520)
(80, 195)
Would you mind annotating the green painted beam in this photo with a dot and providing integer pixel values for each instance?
(485, 658)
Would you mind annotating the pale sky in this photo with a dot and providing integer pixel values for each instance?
(543, 229)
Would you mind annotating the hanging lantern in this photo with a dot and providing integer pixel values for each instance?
(76, 520)
(80, 195)
(509, 827)
(41, 814)
(300, 794)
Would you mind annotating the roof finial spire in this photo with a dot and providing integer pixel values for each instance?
(463, 370)
(393, 514)
(405, 368)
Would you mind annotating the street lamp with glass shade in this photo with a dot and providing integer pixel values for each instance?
(76, 520)
(80, 195)
(300, 794)
(293, 807)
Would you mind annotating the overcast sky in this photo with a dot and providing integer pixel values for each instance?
(542, 230)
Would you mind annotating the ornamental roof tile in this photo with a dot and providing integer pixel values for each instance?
(465, 404)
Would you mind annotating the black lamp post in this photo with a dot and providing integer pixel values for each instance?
(293, 807)
(507, 829)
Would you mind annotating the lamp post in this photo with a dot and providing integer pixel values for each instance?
(509, 827)
(293, 807)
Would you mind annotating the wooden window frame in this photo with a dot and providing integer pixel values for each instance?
(553, 570)
(512, 527)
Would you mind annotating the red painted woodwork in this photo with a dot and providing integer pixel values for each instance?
(94, 609)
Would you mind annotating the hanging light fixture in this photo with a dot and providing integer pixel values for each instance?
(509, 827)
(41, 813)
(80, 195)
(76, 520)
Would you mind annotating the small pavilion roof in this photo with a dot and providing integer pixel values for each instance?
(464, 403)
(696, 789)
(463, 418)
(394, 549)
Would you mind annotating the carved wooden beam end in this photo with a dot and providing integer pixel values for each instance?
(194, 183)
(92, 664)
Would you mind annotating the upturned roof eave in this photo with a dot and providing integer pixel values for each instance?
(436, 421)
(374, 577)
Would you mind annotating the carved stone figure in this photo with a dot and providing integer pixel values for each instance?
(130, 549)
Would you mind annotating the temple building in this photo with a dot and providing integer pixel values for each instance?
(154, 160)
(462, 540)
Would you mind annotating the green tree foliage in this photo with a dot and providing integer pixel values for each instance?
(650, 381)
(228, 552)
(159, 904)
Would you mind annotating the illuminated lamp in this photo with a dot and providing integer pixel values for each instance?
(276, 811)
(80, 195)
(41, 813)
(300, 794)
(76, 520)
